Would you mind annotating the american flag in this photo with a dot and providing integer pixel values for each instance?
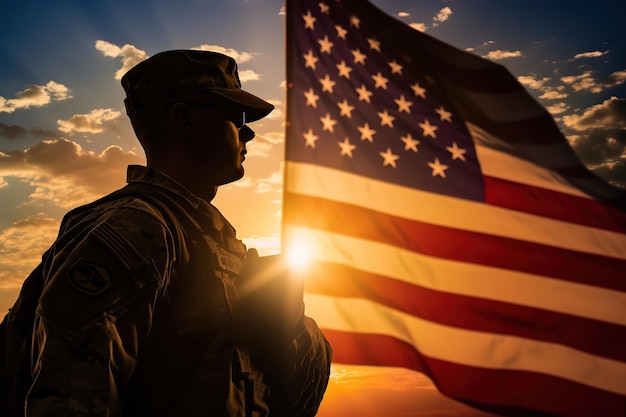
(455, 231)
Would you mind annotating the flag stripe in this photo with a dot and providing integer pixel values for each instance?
(503, 389)
(466, 347)
(451, 212)
(571, 209)
(466, 279)
(442, 242)
(544, 165)
(600, 338)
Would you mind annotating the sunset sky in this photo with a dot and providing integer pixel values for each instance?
(65, 139)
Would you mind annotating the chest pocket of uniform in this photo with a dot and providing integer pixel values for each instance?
(204, 295)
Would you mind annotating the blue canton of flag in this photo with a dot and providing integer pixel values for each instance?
(363, 106)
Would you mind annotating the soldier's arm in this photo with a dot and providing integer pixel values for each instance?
(289, 346)
(306, 378)
(95, 313)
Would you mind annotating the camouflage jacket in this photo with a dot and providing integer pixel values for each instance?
(137, 311)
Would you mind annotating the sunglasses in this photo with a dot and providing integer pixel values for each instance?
(238, 118)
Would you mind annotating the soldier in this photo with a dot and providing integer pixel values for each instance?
(141, 313)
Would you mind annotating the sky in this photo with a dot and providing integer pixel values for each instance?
(65, 139)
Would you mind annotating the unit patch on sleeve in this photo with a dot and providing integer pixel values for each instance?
(89, 277)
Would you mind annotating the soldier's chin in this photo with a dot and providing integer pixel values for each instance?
(234, 177)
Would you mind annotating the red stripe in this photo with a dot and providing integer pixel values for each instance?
(459, 245)
(561, 206)
(498, 391)
(596, 337)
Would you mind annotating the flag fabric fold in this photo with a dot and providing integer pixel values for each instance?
(454, 230)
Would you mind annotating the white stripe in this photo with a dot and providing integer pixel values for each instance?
(463, 278)
(317, 181)
(501, 164)
(468, 347)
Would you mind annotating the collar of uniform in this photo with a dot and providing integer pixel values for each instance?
(138, 173)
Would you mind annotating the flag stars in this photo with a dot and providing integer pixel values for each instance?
(367, 133)
(324, 7)
(310, 59)
(355, 21)
(346, 147)
(456, 152)
(395, 68)
(444, 115)
(410, 143)
(327, 84)
(325, 45)
(364, 93)
(389, 158)
(428, 129)
(438, 168)
(345, 109)
(310, 138)
(328, 123)
(419, 91)
(309, 20)
(381, 82)
(311, 98)
(341, 32)
(359, 58)
(374, 44)
(403, 104)
(344, 70)
(386, 119)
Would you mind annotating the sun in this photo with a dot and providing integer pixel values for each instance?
(298, 255)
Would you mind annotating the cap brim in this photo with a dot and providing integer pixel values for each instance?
(254, 107)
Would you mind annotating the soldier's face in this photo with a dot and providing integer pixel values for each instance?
(217, 146)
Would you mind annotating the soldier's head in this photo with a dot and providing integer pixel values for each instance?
(188, 105)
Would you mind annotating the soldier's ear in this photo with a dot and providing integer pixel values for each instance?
(181, 117)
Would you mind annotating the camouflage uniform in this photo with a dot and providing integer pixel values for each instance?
(136, 319)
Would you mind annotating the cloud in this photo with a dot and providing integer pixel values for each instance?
(93, 122)
(240, 57)
(21, 247)
(63, 174)
(557, 108)
(265, 245)
(593, 54)
(419, 26)
(362, 377)
(277, 113)
(615, 79)
(549, 92)
(532, 82)
(404, 14)
(130, 55)
(502, 54)
(600, 139)
(610, 114)
(443, 15)
(555, 93)
(35, 95)
(248, 75)
(587, 82)
(19, 132)
(584, 81)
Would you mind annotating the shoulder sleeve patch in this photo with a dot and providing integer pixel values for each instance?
(89, 277)
(102, 277)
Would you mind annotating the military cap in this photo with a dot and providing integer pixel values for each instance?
(190, 75)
